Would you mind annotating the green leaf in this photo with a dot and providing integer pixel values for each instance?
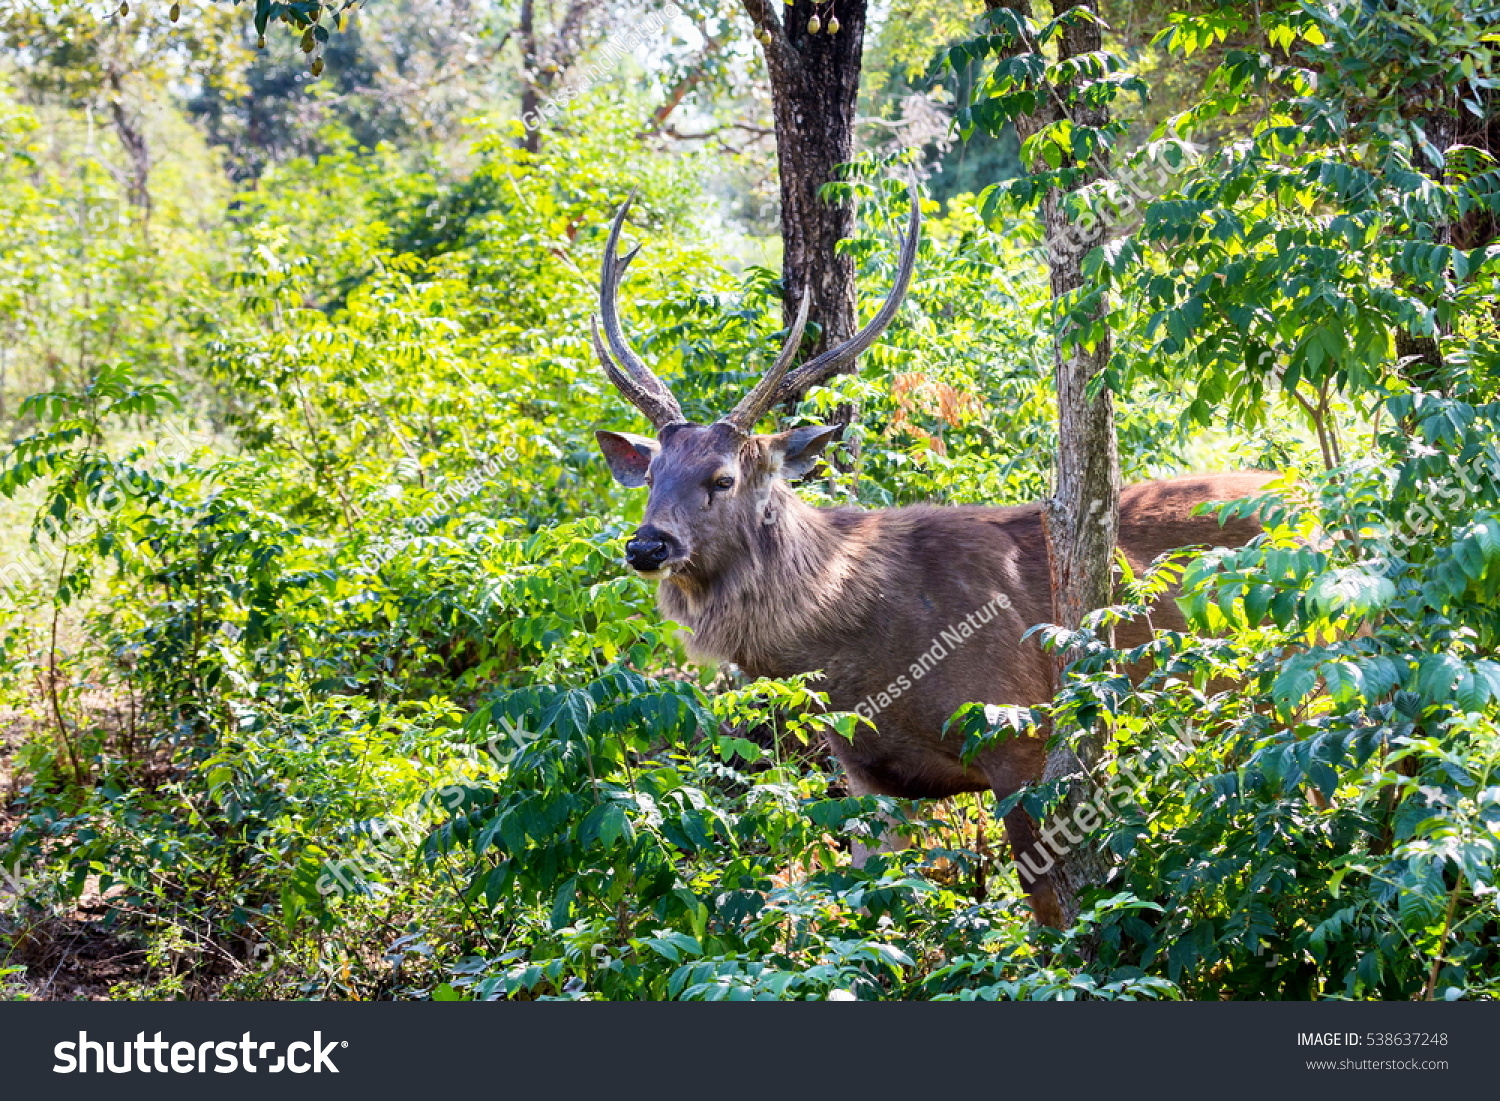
(614, 824)
(1257, 603)
(1297, 679)
(569, 714)
(1436, 676)
(562, 904)
(1351, 590)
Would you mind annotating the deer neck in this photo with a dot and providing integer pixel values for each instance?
(801, 576)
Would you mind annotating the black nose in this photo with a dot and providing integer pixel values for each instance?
(647, 553)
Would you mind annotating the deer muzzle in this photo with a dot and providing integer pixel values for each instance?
(652, 551)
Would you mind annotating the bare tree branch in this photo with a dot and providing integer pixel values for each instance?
(690, 80)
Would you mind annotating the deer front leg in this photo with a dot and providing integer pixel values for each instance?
(1034, 863)
(1009, 769)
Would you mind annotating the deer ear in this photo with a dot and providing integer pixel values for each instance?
(795, 453)
(628, 456)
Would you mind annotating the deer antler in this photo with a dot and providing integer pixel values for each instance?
(828, 364)
(754, 404)
(650, 395)
(632, 377)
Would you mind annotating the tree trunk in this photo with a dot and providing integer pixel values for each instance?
(531, 92)
(814, 86)
(1082, 517)
(542, 68)
(132, 134)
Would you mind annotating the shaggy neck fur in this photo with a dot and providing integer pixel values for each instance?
(800, 577)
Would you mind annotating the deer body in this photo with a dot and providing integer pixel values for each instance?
(909, 613)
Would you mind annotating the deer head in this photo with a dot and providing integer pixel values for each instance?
(712, 486)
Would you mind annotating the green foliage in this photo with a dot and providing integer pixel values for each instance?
(354, 698)
(1318, 809)
(83, 283)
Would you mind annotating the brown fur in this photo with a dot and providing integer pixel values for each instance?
(766, 581)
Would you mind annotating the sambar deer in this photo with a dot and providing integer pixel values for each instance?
(777, 586)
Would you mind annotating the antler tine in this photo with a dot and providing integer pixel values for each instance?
(754, 404)
(658, 411)
(633, 378)
(826, 365)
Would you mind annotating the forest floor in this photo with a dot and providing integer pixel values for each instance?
(72, 956)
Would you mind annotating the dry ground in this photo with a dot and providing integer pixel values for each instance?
(68, 956)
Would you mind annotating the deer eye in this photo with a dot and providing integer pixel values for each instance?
(726, 482)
